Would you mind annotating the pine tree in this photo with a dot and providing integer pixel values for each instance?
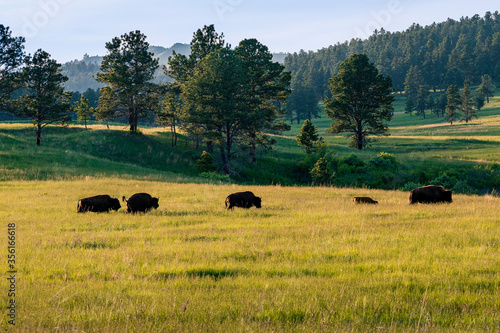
(83, 110)
(216, 94)
(320, 173)
(268, 90)
(423, 92)
(486, 88)
(44, 100)
(128, 70)
(308, 136)
(468, 111)
(413, 82)
(170, 110)
(453, 105)
(361, 101)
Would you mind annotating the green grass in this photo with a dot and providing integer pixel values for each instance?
(308, 261)
(72, 152)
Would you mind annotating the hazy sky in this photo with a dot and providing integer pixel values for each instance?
(67, 29)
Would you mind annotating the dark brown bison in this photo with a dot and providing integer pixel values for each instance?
(98, 203)
(430, 194)
(141, 202)
(364, 200)
(243, 199)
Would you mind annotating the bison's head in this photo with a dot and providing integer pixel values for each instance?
(447, 196)
(154, 202)
(115, 204)
(257, 202)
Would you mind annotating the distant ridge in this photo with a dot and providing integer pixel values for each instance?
(81, 73)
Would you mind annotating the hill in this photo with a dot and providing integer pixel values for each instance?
(450, 52)
(81, 73)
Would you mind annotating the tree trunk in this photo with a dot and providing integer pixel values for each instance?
(38, 133)
(253, 147)
(172, 134)
(359, 135)
(227, 151)
(210, 147)
(359, 143)
(175, 136)
(133, 121)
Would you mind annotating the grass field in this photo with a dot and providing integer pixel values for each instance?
(308, 261)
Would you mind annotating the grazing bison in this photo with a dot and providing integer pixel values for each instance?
(364, 200)
(430, 194)
(98, 203)
(243, 199)
(141, 202)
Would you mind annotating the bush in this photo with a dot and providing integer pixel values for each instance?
(216, 177)
(353, 160)
(320, 173)
(444, 179)
(410, 186)
(461, 186)
(385, 160)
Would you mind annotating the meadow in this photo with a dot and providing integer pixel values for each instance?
(309, 261)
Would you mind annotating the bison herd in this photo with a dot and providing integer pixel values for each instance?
(139, 202)
(143, 202)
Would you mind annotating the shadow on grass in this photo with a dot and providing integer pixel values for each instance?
(213, 273)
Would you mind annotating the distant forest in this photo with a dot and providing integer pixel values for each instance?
(452, 52)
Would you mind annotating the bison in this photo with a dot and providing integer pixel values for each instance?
(98, 203)
(364, 200)
(141, 202)
(243, 199)
(430, 194)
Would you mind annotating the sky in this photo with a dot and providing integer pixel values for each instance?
(67, 29)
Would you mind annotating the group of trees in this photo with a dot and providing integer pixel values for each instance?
(225, 98)
(452, 52)
(420, 99)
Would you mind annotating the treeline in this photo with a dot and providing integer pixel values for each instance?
(447, 53)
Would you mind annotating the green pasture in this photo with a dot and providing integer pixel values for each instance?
(309, 261)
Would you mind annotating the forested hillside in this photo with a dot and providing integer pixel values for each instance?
(81, 73)
(451, 52)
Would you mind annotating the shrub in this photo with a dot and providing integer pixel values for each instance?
(320, 173)
(205, 163)
(410, 186)
(215, 177)
(444, 179)
(353, 160)
(385, 160)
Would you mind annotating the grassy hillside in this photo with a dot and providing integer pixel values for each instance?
(426, 150)
(309, 260)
